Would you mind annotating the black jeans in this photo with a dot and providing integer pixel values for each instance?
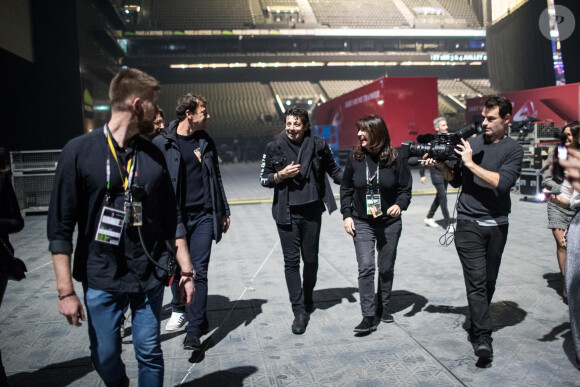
(368, 235)
(480, 249)
(300, 237)
(440, 199)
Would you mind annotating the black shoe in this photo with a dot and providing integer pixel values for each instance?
(299, 324)
(191, 342)
(387, 317)
(368, 324)
(483, 347)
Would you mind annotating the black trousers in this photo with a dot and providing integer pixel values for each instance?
(300, 238)
(480, 249)
(440, 199)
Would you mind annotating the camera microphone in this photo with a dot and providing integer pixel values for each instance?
(425, 138)
(414, 161)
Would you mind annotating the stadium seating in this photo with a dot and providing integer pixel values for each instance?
(201, 14)
(302, 89)
(334, 89)
(481, 85)
(274, 3)
(460, 10)
(358, 14)
(237, 109)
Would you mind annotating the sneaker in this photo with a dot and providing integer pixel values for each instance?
(483, 347)
(175, 322)
(368, 324)
(429, 222)
(191, 342)
(387, 318)
(122, 330)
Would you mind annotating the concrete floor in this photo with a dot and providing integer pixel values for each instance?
(250, 342)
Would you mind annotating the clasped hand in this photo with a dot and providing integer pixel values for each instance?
(291, 170)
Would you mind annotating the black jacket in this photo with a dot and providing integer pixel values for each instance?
(78, 197)
(274, 160)
(10, 219)
(214, 193)
(395, 183)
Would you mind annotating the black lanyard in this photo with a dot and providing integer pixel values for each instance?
(371, 178)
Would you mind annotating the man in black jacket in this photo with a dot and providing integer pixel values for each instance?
(295, 165)
(192, 160)
(113, 184)
(490, 165)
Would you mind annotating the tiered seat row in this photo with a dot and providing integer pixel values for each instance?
(237, 109)
(334, 89)
(358, 14)
(481, 85)
(201, 14)
(461, 10)
(301, 89)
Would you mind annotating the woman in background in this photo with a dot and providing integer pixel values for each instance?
(375, 188)
(560, 214)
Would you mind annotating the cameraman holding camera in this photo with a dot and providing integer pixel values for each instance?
(490, 165)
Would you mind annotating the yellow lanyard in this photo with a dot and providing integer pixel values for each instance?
(114, 152)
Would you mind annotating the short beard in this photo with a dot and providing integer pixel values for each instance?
(146, 128)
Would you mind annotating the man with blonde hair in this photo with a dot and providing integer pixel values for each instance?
(114, 184)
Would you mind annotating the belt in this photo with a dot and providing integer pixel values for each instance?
(198, 208)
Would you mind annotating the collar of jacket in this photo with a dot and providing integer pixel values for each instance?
(170, 134)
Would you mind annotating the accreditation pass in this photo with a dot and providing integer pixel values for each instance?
(110, 226)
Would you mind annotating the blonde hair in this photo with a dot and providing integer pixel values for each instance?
(130, 82)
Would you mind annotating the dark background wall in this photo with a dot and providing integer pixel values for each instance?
(571, 46)
(56, 110)
(519, 56)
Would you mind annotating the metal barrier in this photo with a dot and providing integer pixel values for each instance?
(32, 178)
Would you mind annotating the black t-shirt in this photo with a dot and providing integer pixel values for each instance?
(191, 173)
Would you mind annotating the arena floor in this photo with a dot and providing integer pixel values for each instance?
(251, 344)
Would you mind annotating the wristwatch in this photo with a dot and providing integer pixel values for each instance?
(188, 273)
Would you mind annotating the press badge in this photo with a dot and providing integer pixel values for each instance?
(197, 153)
(374, 204)
(136, 214)
(110, 227)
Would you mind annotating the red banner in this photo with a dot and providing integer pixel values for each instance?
(408, 106)
(556, 103)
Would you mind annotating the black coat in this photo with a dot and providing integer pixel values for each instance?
(10, 219)
(214, 193)
(274, 160)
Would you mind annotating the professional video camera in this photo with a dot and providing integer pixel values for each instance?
(438, 146)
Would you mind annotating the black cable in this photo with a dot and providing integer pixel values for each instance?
(171, 266)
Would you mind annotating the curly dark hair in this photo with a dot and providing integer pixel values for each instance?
(379, 141)
(188, 102)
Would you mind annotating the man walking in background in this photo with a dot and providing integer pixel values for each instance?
(192, 160)
(440, 184)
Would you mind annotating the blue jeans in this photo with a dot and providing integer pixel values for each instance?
(369, 233)
(104, 312)
(199, 228)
